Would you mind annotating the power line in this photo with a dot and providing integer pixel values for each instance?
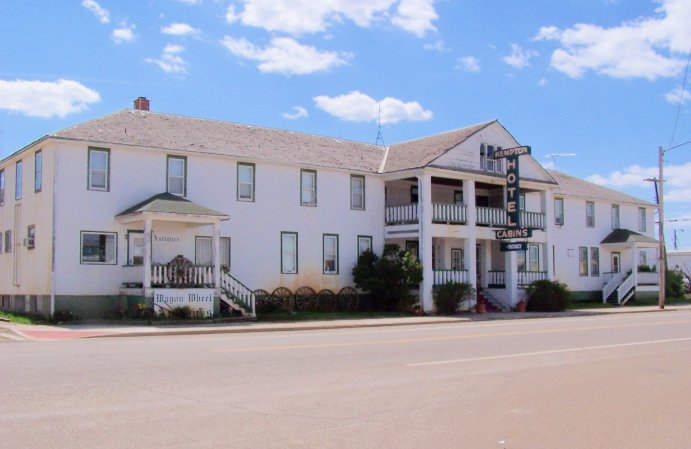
(681, 99)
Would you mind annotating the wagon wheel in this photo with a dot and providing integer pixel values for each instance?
(348, 299)
(305, 298)
(262, 298)
(327, 300)
(283, 298)
(180, 271)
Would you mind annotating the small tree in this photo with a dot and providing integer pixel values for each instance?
(448, 297)
(548, 296)
(674, 284)
(387, 279)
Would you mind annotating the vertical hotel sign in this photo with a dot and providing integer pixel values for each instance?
(513, 191)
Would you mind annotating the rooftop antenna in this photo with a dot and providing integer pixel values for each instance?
(554, 157)
(380, 138)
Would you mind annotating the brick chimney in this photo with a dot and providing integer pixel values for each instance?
(141, 104)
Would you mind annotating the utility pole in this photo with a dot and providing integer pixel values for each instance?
(662, 266)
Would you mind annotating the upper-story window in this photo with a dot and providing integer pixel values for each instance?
(38, 171)
(642, 221)
(245, 181)
(177, 175)
(559, 211)
(99, 169)
(18, 181)
(590, 214)
(615, 216)
(2, 187)
(487, 161)
(357, 192)
(330, 253)
(308, 188)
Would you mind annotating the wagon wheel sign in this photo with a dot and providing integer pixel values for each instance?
(180, 270)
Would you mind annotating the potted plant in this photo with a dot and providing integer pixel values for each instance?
(481, 306)
(418, 310)
(521, 305)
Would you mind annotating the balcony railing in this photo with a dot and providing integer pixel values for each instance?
(648, 278)
(442, 277)
(495, 279)
(401, 214)
(448, 213)
(169, 276)
(457, 214)
(528, 277)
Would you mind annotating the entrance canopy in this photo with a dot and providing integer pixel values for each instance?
(626, 237)
(169, 207)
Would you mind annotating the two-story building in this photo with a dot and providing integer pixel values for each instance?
(122, 208)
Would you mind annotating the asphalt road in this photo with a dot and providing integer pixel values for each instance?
(619, 381)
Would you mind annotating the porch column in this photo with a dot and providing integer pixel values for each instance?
(511, 276)
(216, 254)
(469, 245)
(148, 228)
(424, 183)
(547, 201)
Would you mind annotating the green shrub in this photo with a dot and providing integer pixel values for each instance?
(388, 279)
(181, 313)
(65, 316)
(643, 268)
(548, 296)
(448, 297)
(674, 284)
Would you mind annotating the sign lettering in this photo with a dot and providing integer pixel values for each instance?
(508, 152)
(521, 233)
(513, 246)
(199, 300)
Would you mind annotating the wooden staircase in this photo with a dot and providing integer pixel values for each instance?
(239, 300)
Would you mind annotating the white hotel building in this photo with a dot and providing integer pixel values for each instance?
(94, 217)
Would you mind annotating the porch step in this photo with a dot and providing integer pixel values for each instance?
(492, 304)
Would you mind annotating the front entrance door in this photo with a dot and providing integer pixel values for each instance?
(616, 263)
(135, 248)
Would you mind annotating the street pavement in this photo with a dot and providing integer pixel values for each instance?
(613, 380)
(18, 332)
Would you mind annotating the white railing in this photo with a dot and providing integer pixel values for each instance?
(611, 285)
(533, 220)
(448, 213)
(625, 287)
(495, 278)
(132, 275)
(442, 277)
(648, 278)
(528, 277)
(238, 292)
(195, 275)
(401, 214)
(491, 216)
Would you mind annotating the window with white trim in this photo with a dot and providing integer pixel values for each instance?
(289, 252)
(642, 220)
(99, 248)
(330, 253)
(2, 187)
(589, 215)
(8, 241)
(559, 211)
(642, 258)
(583, 261)
(177, 175)
(357, 192)
(38, 171)
(595, 261)
(245, 185)
(31, 237)
(98, 169)
(487, 161)
(308, 188)
(457, 262)
(203, 251)
(18, 181)
(615, 216)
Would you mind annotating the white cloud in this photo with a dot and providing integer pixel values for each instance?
(101, 14)
(309, 16)
(438, 45)
(295, 113)
(678, 95)
(179, 29)
(542, 82)
(285, 55)
(358, 107)
(46, 99)
(648, 47)
(416, 16)
(677, 180)
(171, 61)
(519, 57)
(191, 2)
(124, 34)
(468, 64)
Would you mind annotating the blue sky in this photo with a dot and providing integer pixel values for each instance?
(601, 79)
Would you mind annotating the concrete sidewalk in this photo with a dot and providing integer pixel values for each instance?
(20, 332)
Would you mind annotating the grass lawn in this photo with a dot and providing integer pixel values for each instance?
(312, 316)
(23, 318)
(633, 303)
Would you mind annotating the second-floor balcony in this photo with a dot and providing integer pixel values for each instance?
(456, 214)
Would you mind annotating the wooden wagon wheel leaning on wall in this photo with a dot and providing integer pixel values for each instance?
(180, 270)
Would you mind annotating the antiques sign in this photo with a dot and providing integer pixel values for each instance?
(199, 300)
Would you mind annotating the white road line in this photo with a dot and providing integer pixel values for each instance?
(554, 351)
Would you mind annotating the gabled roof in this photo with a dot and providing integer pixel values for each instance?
(571, 186)
(167, 203)
(421, 152)
(626, 236)
(173, 132)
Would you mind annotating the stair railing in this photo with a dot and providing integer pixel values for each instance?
(238, 292)
(626, 286)
(610, 287)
